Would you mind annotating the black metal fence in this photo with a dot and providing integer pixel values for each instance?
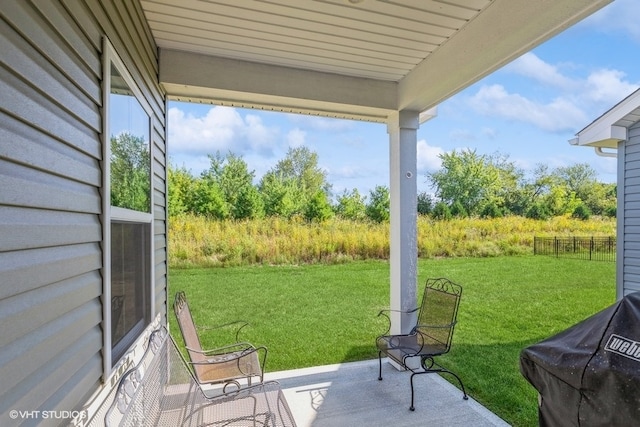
(590, 248)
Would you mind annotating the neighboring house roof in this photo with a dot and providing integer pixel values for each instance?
(611, 127)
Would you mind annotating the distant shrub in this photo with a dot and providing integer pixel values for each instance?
(441, 211)
(351, 205)
(425, 203)
(581, 212)
(538, 211)
(491, 211)
(458, 210)
(378, 207)
(318, 208)
(611, 211)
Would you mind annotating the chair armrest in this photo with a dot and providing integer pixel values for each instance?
(385, 311)
(241, 353)
(230, 348)
(242, 324)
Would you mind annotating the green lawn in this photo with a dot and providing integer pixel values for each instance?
(324, 314)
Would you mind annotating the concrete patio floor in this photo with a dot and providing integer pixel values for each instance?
(350, 395)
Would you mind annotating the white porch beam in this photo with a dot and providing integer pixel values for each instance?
(502, 33)
(195, 77)
(402, 127)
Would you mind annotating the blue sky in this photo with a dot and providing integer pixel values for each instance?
(528, 110)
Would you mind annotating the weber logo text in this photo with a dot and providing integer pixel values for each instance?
(624, 347)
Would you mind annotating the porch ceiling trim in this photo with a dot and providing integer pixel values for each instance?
(195, 77)
(326, 57)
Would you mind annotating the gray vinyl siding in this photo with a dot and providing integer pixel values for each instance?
(630, 202)
(50, 194)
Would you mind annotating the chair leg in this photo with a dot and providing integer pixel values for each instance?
(379, 366)
(464, 392)
(412, 408)
(427, 364)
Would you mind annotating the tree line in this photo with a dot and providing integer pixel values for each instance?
(492, 185)
(467, 184)
(295, 186)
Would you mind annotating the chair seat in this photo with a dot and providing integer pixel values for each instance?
(399, 347)
(227, 366)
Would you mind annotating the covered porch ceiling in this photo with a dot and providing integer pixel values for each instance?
(356, 59)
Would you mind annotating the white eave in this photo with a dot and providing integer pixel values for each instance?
(611, 128)
(362, 60)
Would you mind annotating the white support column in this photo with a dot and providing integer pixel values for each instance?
(402, 128)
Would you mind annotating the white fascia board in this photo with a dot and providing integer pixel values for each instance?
(605, 136)
(504, 31)
(429, 114)
(606, 130)
(201, 78)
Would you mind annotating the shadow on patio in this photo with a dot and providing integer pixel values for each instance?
(349, 394)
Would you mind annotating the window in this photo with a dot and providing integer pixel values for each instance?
(127, 205)
(129, 283)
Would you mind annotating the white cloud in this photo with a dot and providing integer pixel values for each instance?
(621, 16)
(222, 129)
(576, 99)
(530, 65)
(560, 114)
(296, 138)
(608, 87)
(428, 157)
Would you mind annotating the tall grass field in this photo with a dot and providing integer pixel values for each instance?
(197, 242)
(317, 314)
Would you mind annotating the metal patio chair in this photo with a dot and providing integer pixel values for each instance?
(232, 364)
(432, 335)
(162, 391)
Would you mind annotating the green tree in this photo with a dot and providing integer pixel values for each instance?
(301, 166)
(530, 191)
(250, 204)
(281, 196)
(458, 210)
(232, 176)
(560, 200)
(180, 183)
(206, 198)
(379, 204)
(600, 198)
(581, 186)
(491, 211)
(351, 205)
(475, 180)
(130, 172)
(425, 203)
(441, 211)
(538, 211)
(581, 212)
(578, 178)
(318, 208)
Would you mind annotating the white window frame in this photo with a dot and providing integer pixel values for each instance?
(114, 213)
